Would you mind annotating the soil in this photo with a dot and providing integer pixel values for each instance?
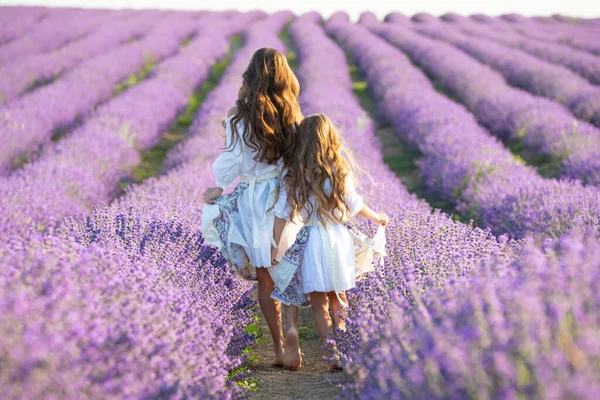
(313, 381)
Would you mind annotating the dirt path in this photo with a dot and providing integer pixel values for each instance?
(312, 381)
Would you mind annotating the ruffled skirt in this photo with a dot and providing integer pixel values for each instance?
(296, 276)
(240, 225)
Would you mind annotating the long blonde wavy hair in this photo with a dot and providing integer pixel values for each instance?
(268, 106)
(319, 155)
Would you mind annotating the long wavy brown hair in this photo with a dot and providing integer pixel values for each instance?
(319, 155)
(268, 106)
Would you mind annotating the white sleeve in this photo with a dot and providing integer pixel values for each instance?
(282, 208)
(227, 166)
(354, 200)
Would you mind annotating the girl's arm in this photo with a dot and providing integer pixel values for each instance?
(226, 167)
(357, 205)
(278, 229)
(367, 212)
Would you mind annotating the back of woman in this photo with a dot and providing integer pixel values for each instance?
(260, 135)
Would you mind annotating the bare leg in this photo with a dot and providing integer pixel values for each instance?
(271, 310)
(318, 302)
(292, 359)
(339, 314)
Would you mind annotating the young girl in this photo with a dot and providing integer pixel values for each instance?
(260, 134)
(318, 190)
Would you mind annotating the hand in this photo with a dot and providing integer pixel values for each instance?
(211, 194)
(274, 256)
(383, 219)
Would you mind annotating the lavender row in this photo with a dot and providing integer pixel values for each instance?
(539, 124)
(85, 168)
(572, 30)
(427, 253)
(465, 329)
(463, 162)
(17, 21)
(119, 306)
(526, 71)
(20, 76)
(222, 97)
(56, 32)
(29, 122)
(528, 329)
(327, 88)
(583, 64)
(544, 28)
(580, 40)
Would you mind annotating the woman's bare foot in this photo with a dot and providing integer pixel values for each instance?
(279, 354)
(292, 358)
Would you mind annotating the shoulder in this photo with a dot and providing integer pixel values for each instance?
(227, 121)
(232, 111)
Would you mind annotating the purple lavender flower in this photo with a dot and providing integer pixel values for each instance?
(462, 162)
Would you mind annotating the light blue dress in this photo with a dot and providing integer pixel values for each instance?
(244, 218)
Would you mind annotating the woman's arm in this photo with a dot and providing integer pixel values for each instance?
(227, 166)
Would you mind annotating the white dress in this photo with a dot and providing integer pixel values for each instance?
(254, 229)
(328, 260)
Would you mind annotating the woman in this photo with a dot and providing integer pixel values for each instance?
(260, 136)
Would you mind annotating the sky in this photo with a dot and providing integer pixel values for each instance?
(580, 8)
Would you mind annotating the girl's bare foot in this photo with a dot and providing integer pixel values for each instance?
(279, 354)
(292, 358)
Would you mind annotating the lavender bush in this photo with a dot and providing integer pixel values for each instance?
(462, 162)
(584, 64)
(55, 32)
(528, 72)
(570, 35)
(527, 329)
(99, 314)
(15, 22)
(23, 74)
(85, 168)
(540, 125)
(29, 122)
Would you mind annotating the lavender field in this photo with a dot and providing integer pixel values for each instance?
(482, 138)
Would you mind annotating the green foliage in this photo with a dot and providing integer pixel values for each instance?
(399, 157)
(248, 383)
(186, 41)
(187, 118)
(290, 54)
(153, 159)
(307, 332)
(135, 77)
